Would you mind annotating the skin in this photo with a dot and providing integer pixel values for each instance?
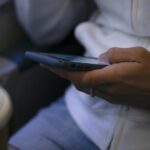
(125, 81)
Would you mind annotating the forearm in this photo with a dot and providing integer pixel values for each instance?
(48, 21)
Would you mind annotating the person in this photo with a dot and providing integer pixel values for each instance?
(110, 109)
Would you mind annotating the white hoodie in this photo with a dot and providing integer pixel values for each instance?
(119, 23)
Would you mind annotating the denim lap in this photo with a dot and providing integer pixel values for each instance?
(53, 128)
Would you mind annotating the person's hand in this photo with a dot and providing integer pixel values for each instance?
(125, 81)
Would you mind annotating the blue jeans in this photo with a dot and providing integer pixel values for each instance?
(52, 129)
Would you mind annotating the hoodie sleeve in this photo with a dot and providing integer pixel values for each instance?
(49, 21)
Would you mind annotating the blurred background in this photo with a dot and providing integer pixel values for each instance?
(28, 86)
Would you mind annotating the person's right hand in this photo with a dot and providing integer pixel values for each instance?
(125, 81)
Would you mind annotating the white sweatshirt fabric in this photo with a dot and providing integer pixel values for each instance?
(49, 21)
(117, 23)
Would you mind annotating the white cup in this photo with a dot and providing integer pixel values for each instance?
(5, 113)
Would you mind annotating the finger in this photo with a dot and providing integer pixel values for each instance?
(100, 93)
(112, 74)
(93, 91)
(112, 94)
(117, 55)
(112, 98)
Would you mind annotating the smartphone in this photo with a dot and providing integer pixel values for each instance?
(68, 62)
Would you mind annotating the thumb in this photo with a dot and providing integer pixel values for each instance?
(117, 55)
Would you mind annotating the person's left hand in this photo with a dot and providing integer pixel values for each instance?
(125, 81)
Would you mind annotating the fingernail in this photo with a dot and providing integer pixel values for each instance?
(103, 58)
